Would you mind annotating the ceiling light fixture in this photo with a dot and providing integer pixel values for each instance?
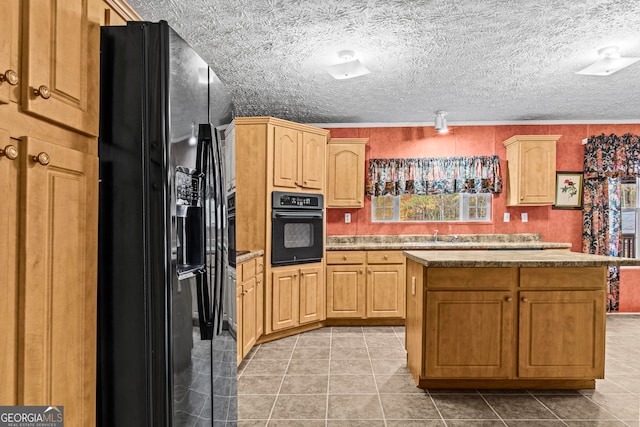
(349, 68)
(610, 62)
(441, 122)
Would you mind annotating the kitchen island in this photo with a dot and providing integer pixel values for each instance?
(506, 319)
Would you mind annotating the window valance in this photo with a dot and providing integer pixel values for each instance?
(473, 174)
(612, 156)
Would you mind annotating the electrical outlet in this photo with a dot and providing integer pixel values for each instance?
(347, 218)
(507, 217)
(525, 217)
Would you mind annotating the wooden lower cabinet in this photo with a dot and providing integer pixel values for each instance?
(249, 305)
(297, 296)
(562, 334)
(365, 284)
(469, 334)
(505, 327)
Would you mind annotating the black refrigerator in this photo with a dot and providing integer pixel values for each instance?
(165, 356)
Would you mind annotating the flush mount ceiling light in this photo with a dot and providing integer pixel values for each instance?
(349, 68)
(610, 62)
(441, 122)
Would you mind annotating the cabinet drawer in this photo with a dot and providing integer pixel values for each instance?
(248, 270)
(385, 257)
(346, 257)
(564, 277)
(471, 278)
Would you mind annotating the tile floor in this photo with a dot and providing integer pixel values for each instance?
(352, 376)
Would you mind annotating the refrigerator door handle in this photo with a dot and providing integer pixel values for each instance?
(204, 319)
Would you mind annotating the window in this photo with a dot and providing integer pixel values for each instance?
(458, 207)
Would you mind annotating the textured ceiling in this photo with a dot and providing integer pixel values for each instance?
(485, 61)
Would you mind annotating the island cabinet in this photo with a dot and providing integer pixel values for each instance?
(297, 295)
(345, 172)
(531, 170)
(365, 284)
(249, 305)
(508, 327)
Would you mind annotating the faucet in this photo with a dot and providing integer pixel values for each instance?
(453, 239)
(435, 235)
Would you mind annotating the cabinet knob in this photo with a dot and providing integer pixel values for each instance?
(525, 299)
(42, 158)
(386, 257)
(361, 271)
(42, 92)
(521, 198)
(10, 77)
(508, 299)
(302, 274)
(10, 152)
(369, 271)
(344, 257)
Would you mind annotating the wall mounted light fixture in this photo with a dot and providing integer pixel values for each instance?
(610, 62)
(348, 68)
(441, 122)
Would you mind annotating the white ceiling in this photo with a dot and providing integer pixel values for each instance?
(483, 61)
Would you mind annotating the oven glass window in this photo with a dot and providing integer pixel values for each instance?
(298, 235)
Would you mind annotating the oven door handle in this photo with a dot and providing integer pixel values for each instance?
(314, 215)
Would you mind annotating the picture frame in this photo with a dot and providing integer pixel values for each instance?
(568, 190)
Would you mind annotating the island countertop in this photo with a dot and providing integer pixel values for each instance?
(515, 258)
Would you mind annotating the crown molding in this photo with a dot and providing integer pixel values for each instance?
(124, 10)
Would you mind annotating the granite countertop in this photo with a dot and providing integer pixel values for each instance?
(248, 256)
(462, 241)
(435, 258)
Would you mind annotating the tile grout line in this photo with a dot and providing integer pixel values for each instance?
(326, 411)
(375, 381)
(284, 375)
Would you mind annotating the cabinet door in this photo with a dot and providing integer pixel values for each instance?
(259, 306)
(61, 54)
(248, 315)
(9, 55)
(9, 211)
(562, 334)
(346, 175)
(285, 157)
(312, 161)
(285, 299)
(311, 294)
(60, 205)
(239, 324)
(385, 290)
(469, 334)
(537, 172)
(346, 291)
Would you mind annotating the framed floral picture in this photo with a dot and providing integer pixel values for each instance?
(568, 190)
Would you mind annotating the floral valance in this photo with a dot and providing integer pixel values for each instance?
(612, 156)
(476, 174)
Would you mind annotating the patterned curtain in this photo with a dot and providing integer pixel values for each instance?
(607, 159)
(477, 174)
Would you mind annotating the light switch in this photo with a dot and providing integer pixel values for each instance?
(347, 218)
(525, 217)
(507, 217)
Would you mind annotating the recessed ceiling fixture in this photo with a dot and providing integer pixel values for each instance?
(441, 122)
(349, 68)
(610, 62)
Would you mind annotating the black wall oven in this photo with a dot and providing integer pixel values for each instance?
(297, 228)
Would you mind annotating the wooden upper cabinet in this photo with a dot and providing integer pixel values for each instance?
(311, 162)
(345, 171)
(61, 63)
(117, 12)
(298, 158)
(285, 157)
(531, 170)
(9, 55)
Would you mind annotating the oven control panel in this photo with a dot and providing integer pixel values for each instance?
(284, 200)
